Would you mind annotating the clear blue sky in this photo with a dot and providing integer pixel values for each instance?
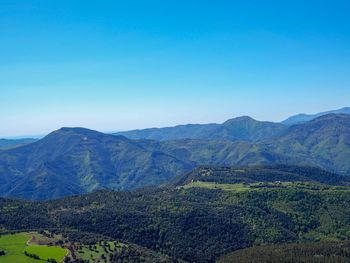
(117, 65)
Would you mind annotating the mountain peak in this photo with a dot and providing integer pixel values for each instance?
(240, 119)
(75, 130)
(71, 132)
(75, 135)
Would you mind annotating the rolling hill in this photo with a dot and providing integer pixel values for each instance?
(76, 160)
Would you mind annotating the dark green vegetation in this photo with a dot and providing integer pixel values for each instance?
(113, 251)
(327, 252)
(281, 173)
(207, 214)
(301, 118)
(76, 160)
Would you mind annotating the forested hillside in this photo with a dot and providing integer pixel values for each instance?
(201, 220)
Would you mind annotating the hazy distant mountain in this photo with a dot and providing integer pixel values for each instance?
(301, 118)
(76, 160)
(11, 143)
(242, 128)
(189, 131)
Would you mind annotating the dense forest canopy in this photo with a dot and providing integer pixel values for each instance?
(199, 220)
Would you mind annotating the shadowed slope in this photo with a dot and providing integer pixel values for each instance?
(77, 160)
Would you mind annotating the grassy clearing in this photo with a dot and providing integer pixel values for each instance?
(15, 245)
(225, 187)
(306, 186)
(46, 252)
(95, 252)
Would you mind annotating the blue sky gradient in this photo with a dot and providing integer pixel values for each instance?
(117, 65)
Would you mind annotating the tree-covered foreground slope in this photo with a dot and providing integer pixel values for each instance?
(315, 252)
(76, 160)
(206, 215)
(53, 246)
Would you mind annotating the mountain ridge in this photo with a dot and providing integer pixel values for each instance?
(243, 128)
(78, 160)
(240, 128)
(302, 117)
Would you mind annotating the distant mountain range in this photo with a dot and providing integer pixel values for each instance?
(321, 142)
(301, 118)
(77, 160)
(242, 128)
(11, 143)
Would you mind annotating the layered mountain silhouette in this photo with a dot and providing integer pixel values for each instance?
(77, 160)
(301, 118)
(242, 128)
(12, 143)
